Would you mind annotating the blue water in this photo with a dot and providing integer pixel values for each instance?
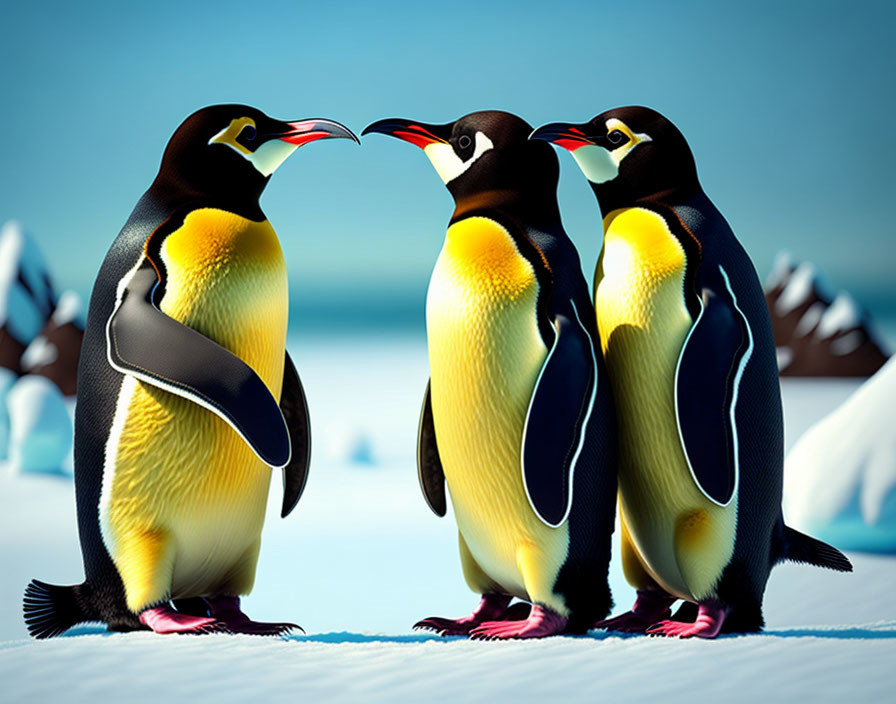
(404, 314)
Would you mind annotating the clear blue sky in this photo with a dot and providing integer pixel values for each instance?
(788, 106)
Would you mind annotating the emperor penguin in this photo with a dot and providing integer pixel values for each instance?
(691, 359)
(517, 419)
(187, 397)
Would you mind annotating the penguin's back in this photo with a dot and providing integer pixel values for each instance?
(759, 416)
(98, 387)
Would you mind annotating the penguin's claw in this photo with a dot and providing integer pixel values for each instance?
(226, 609)
(492, 607)
(259, 628)
(708, 624)
(214, 627)
(541, 622)
(446, 626)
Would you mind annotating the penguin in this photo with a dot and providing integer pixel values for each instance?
(187, 397)
(691, 358)
(517, 418)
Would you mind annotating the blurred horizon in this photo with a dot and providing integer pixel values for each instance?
(783, 105)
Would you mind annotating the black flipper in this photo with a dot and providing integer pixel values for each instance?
(145, 343)
(706, 380)
(558, 414)
(429, 464)
(51, 610)
(804, 548)
(294, 407)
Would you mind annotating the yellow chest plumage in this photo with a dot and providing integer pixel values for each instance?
(184, 498)
(485, 354)
(682, 539)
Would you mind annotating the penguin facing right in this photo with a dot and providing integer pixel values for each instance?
(187, 397)
(518, 417)
(691, 358)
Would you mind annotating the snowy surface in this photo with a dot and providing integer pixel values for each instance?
(363, 556)
(842, 664)
(840, 478)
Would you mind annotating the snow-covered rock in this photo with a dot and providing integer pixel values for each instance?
(7, 379)
(26, 302)
(55, 351)
(818, 333)
(26, 294)
(40, 436)
(840, 477)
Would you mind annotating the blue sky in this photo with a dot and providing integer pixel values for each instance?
(788, 107)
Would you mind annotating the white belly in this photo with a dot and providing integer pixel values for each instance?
(485, 355)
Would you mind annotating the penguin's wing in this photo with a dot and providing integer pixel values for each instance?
(429, 464)
(145, 343)
(710, 367)
(294, 407)
(559, 410)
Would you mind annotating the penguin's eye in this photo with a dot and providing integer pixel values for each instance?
(617, 137)
(464, 141)
(246, 137)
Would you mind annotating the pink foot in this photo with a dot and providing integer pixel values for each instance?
(164, 619)
(541, 622)
(226, 610)
(708, 624)
(491, 606)
(650, 607)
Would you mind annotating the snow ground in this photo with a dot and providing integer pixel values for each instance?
(362, 556)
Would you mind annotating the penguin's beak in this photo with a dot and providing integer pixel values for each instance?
(305, 131)
(417, 133)
(564, 135)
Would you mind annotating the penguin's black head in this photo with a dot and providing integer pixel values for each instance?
(627, 154)
(486, 160)
(230, 151)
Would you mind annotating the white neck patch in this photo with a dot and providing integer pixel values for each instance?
(448, 164)
(266, 159)
(596, 163)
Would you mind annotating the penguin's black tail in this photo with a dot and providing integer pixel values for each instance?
(805, 548)
(51, 610)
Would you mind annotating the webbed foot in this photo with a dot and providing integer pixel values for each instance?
(708, 624)
(540, 623)
(164, 619)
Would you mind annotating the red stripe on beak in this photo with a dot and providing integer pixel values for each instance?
(418, 137)
(570, 144)
(304, 132)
